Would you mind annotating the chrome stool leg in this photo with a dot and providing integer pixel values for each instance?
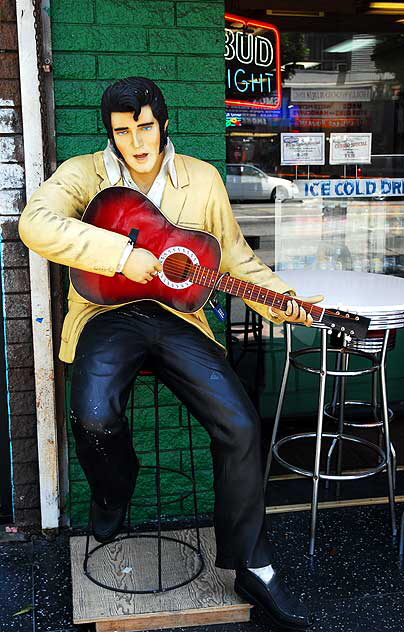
(393, 464)
(389, 464)
(401, 550)
(376, 378)
(329, 458)
(335, 388)
(375, 402)
(381, 438)
(333, 408)
(338, 402)
(281, 397)
(374, 393)
(341, 418)
(316, 472)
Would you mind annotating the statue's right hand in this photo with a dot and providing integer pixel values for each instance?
(141, 266)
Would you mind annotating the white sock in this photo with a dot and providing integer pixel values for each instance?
(264, 572)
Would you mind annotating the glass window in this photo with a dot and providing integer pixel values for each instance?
(351, 214)
(331, 83)
(233, 170)
(250, 171)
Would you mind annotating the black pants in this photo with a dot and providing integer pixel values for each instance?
(110, 351)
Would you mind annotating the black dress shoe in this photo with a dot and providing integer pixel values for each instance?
(106, 523)
(282, 609)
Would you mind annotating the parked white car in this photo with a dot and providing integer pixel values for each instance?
(248, 182)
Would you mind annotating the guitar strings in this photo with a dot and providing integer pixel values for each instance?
(281, 302)
(174, 267)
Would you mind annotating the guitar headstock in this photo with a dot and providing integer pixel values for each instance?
(350, 324)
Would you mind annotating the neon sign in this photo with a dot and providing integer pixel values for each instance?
(233, 120)
(253, 74)
(248, 49)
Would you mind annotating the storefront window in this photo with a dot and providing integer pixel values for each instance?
(343, 92)
(345, 83)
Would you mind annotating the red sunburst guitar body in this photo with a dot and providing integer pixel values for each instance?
(123, 210)
(190, 261)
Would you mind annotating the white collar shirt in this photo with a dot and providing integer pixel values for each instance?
(116, 169)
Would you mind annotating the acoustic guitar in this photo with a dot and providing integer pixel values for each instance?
(190, 260)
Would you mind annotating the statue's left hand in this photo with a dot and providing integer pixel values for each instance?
(295, 313)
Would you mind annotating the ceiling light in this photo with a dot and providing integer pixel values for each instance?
(389, 8)
(254, 134)
(294, 14)
(306, 65)
(349, 46)
(399, 6)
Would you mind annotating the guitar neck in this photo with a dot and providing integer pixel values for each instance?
(250, 291)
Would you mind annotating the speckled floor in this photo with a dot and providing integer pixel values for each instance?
(354, 584)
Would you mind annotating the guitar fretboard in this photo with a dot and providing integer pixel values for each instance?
(244, 289)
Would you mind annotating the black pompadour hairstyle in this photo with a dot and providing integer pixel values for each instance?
(130, 95)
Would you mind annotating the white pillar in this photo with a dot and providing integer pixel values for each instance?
(39, 274)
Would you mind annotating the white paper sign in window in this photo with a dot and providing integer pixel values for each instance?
(350, 149)
(303, 148)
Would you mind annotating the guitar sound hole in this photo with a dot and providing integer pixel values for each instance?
(177, 267)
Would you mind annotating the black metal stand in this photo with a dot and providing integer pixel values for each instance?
(186, 549)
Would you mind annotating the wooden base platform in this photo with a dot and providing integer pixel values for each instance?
(210, 598)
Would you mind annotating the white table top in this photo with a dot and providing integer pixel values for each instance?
(360, 292)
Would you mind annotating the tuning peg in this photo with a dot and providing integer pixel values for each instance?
(348, 338)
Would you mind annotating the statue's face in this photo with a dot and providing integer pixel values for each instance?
(138, 141)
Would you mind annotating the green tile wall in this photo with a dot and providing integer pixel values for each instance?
(179, 45)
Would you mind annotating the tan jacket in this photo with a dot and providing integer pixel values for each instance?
(50, 225)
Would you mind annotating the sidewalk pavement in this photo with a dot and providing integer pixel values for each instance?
(355, 583)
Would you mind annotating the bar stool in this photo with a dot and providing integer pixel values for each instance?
(168, 548)
(384, 457)
(252, 324)
(350, 289)
(335, 410)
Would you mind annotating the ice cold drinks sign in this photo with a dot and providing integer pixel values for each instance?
(252, 54)
(355, 188)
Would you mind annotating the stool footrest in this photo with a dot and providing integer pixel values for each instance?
(357, 424)
(339, 437)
